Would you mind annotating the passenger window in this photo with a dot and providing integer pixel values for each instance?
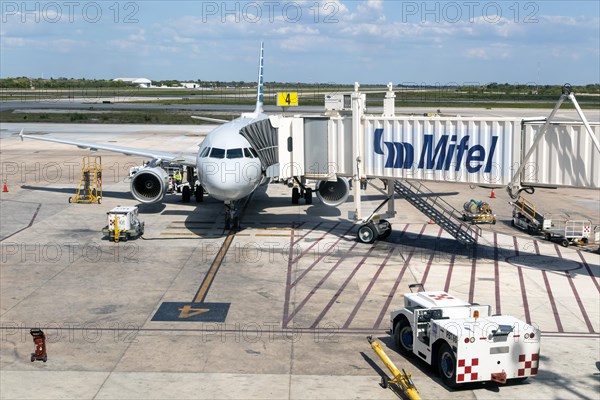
(254, 153)
(247, 153)
(235, 153)
(217, 153)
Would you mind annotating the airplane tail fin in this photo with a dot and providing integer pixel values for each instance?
(259, 90)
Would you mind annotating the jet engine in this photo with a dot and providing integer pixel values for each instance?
(333, 193)
(150, 184)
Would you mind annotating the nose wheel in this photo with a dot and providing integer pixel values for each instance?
(232, 218)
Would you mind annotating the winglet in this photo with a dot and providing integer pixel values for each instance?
(259, 89)
(21, 134)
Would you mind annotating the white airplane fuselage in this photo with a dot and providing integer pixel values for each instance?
(227, 166)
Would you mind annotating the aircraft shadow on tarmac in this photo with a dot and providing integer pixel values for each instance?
(442, 249)
(425, 246)
(71, 191)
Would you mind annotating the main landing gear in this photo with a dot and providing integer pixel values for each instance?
(301, 192)
(187, 191)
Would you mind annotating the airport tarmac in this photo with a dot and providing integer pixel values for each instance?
(280, 309)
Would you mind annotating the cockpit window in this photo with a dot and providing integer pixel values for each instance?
(217, 153)
(235, 153)
(205, 152)
(254, 153)
(247, 153)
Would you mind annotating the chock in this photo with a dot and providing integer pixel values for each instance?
(401, 379)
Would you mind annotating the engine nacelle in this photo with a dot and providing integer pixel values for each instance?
(333, 193)
(149, 185)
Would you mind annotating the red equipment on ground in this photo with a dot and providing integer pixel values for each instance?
(39, 340)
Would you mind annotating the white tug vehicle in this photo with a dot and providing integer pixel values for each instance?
(464, 341)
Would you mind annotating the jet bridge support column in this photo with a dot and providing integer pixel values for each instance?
(391, 212)
(389, 110)
(357, 113)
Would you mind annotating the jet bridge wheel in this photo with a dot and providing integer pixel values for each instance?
(388, 230)
(367, 233)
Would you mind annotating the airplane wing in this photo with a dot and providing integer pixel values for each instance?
(215, 120)
(179, 158)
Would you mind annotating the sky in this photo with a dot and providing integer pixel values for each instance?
(324, 41)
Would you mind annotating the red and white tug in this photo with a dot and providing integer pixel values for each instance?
(464, 340)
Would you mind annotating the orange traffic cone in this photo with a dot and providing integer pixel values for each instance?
(492, 195)
(5, 188)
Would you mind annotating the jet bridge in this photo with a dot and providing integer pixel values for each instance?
(347, 143)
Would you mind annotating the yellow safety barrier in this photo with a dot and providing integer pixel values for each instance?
(401, 378)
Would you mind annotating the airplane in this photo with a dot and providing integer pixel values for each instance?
(227, 167)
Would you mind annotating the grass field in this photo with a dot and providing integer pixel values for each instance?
(111, 117)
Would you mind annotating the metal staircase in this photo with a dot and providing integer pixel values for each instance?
(436, 208)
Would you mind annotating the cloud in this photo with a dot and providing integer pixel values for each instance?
(183, 40)
(297, 30)
(493, 52)
(138, 36)
(13, 41)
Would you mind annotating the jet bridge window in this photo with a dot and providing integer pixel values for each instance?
(235, 153)
(247, 153)
(217, 153)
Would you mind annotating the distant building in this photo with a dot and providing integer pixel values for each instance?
(190, 85)
(141, 82)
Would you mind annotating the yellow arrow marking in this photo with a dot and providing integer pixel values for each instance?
(188, 311)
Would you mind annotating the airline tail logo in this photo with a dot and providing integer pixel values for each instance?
(447, 153)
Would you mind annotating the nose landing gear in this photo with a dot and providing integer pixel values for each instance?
(232, 217)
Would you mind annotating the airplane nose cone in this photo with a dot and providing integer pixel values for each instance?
(230, 180)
